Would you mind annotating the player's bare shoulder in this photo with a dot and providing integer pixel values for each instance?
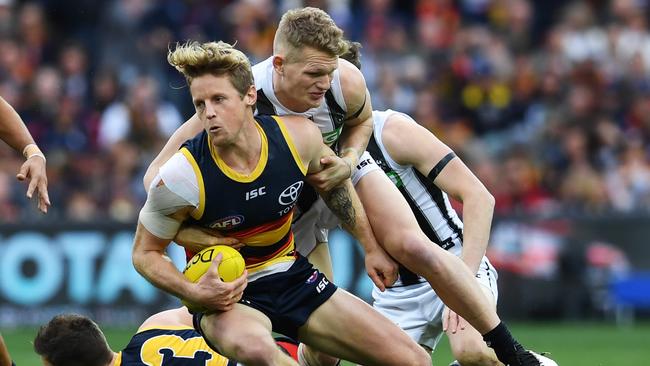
(397, 129)
(353, 85)
(301, 129)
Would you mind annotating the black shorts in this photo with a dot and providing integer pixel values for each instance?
(288, 298)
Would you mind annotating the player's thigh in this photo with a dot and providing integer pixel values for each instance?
(321, 260)
(349, 328)
(389, 214)
(228, 330)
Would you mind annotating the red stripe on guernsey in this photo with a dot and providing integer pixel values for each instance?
(261, 228)
(251, 261)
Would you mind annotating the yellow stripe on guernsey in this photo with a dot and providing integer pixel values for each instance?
(181, 348)
(118, 359)
(263, 235)
(165, 327)
(291, 145)
(235, 175)
(198, 212)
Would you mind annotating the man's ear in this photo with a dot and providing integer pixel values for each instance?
(250, 97)
(278, 64)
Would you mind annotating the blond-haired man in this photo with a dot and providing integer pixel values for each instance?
(242, 177)
(305, 77)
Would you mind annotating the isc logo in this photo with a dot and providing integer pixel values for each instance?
(321, 285)
(255, 193)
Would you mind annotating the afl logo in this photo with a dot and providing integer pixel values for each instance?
(290, 194)
(228, 222)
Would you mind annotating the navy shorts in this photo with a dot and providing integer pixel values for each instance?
(287, 298)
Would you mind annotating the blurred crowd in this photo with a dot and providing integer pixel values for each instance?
(547, 101)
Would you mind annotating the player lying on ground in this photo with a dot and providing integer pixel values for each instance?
(167, 338)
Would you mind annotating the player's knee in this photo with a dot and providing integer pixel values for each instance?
(420, 357)
(475, 353)
(258, 350)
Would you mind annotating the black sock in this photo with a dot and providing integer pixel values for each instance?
(503, 344)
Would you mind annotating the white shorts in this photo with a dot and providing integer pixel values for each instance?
(417, 309)
(314, 224)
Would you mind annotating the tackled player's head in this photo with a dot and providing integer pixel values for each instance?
(307, 27)
(221, 85)
(72, 340)
(194, 59)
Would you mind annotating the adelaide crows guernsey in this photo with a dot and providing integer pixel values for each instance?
(170, 346)
(256, 209)
(329, 116)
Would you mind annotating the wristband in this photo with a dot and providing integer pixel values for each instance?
(32, 150)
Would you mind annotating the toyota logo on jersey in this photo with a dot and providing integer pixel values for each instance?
(290, 194)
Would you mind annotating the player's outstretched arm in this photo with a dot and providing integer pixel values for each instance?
(408, 143)
(186, 131)
(411, 144)
(14, 132)
(343, 201)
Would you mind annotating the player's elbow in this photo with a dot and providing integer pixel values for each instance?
(488, 199)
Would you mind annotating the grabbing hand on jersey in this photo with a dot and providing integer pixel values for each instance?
(214, 294)
(452, 322)
(196, 238)
(335, 171)
(381, 268)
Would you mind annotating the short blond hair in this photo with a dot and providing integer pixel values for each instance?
(194, 59)
(308, 27)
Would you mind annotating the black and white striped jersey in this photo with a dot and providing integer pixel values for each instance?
(430, 205)
(329, 116)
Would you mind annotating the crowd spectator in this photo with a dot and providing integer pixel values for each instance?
(549, 101)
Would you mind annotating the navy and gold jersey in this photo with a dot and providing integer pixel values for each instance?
(257, 208)
(170, 346)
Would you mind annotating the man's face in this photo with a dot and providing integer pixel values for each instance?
(220, 106)
(306, 79)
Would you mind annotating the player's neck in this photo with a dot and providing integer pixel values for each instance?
(285, 97)
(243, 154)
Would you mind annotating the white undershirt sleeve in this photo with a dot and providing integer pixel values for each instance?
(174, 188)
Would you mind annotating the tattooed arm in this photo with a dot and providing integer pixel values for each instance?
(345, 204)
(342, 199)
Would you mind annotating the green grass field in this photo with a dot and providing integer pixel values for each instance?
(574, 344)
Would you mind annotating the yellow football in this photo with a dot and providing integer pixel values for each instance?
(231, 267)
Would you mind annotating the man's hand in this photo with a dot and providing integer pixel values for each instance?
(33, 169)
(214, 294)
(452, 322)
(197, 238)
(335, 171)
(381, 268)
